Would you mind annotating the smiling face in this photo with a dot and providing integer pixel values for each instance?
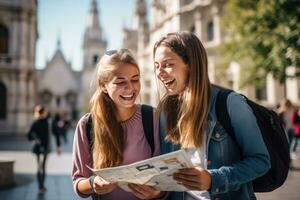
(124, 86)
(171, 70)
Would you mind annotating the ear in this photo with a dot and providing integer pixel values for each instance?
(103, 88)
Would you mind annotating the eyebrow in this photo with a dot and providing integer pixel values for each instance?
(122, 78)
(166, 59)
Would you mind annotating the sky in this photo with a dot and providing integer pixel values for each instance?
(67, 19)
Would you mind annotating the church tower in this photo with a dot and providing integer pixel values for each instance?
(18, 36)
(94, 46)
(142, 25)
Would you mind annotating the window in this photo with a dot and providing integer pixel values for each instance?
(185, 2)
(210, 31)
(261, 94)
(147, 98)
(58, 100)
(2, 101)
(95, 59)
(45, 97)
(3, 40)
(148, 83)
(193, 29)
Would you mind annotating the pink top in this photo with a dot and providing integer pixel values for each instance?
(136, 149)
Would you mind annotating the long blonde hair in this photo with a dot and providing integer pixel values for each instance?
(187, 123)
(108, 137)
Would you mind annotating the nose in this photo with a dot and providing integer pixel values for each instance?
(128, 86)
(160, 72)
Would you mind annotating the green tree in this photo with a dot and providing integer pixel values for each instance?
(263, 36)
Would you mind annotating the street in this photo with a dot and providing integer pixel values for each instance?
(59, 184)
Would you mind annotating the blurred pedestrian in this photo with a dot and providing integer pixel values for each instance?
(65, 127)
(296, 123)
(56, 130)
(39, 137)
(285, 112)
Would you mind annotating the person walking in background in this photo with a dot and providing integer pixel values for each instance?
(118, 135)
(56, 130)
(285, 112)
(39, 137)
(296, 124)
(224, 169)
(66, 123)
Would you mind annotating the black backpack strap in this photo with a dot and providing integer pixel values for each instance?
(89, 130)
(147, 119)
(222, 112)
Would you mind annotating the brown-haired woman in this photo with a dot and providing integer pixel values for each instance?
(118, 135)
(224, 168)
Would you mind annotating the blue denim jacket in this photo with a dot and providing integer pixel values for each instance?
(232, 165)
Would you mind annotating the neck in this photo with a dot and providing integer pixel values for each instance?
(124, 114)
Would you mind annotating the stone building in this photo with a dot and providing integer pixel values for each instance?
(18, 36)
(57, 86)
(94, 46)
(64, 90)
(203, 18)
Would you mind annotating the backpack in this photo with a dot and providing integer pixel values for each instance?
(274, 138)
(147, 119)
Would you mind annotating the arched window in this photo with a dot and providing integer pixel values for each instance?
(210, 31)
(261, 93)
(3, 97)
(95, 59)
(193, 29)
(4, 36)
(45, 97)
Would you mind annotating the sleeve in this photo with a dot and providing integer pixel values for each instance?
(81, 156)
(30, 135)
(255, 157)
(156, 134)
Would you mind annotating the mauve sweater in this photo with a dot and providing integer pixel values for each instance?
(136, 149)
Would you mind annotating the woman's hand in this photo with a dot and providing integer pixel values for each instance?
(195, 178)
(145, 191)
(101, 186)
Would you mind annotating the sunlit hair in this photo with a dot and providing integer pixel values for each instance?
(39, 112)
(108, 143)
(186, 125)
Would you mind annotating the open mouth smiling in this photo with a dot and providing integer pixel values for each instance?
(168, 83)
(128, 97)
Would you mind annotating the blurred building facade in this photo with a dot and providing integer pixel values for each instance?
(94, 46)
(61, 89)
(203, 18)
(58, 86)
(18, 36)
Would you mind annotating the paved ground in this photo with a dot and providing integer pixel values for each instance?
(58, 182)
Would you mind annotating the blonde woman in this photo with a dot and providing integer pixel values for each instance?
(118, 135)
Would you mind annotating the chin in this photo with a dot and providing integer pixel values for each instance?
(129, 105)
(172, 92)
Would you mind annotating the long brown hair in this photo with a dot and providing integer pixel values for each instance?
(108, 143)
(187, 123)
